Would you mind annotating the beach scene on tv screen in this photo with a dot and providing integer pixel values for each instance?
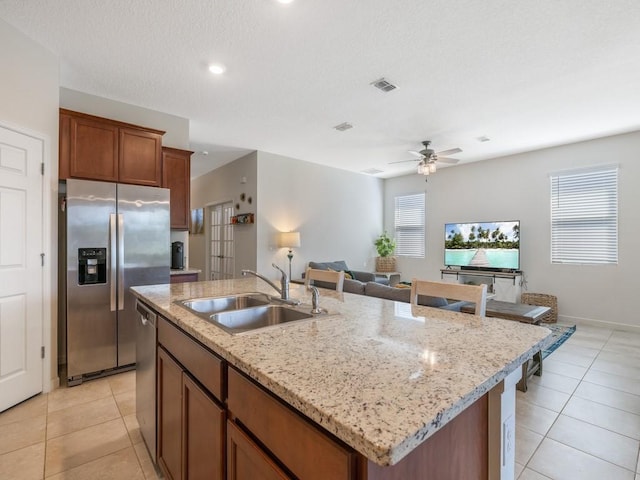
(483, 244)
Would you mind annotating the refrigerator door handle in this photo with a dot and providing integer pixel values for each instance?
(120, 261)
(113, 266)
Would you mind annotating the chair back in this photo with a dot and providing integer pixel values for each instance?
(328, 276)
(469, 293)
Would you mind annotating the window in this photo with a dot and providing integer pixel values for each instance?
(584, 216)
(409, 225)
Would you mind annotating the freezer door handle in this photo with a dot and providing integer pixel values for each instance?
(113, 266)
(120, 261)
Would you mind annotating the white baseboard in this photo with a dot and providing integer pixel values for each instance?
(590, 322)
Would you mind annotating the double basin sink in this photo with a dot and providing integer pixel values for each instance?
(245, 312)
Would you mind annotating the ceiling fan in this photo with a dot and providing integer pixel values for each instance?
(429, 157)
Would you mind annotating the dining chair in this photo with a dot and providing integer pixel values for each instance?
(469, 293)
(326, 276)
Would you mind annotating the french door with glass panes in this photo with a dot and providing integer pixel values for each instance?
(221, 261)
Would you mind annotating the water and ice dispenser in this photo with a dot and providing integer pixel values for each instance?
(92, 266)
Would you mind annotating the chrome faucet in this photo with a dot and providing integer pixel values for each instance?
(315, 301)
(284, 283)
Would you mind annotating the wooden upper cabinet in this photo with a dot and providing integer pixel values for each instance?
(93, 150)
(176, 176)
(96, 148)
(140, 160)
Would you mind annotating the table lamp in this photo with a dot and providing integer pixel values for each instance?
(289, 240)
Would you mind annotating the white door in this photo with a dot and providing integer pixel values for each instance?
(221, 262)
(21, 272)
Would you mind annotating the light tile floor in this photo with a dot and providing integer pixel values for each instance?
(85, 432)
(579, 421)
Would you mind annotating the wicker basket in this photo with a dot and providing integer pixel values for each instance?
(385, 264)
(543, 300)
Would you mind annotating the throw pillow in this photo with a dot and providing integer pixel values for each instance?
(347, 274)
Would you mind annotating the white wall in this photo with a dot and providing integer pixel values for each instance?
(518, 188)
(220, 186)
(338, 214)
(29, 100)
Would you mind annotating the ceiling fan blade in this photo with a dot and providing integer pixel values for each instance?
(404, 161)
(449, 152)
(417, 154)
(451, 161)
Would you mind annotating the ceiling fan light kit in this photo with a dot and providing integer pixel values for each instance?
(428, 158)
(426, 167)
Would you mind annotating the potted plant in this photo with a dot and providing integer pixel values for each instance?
(385, 246)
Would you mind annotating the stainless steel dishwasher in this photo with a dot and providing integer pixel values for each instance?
(146, 375)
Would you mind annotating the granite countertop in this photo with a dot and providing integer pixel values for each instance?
(382, 376)
(185, 271)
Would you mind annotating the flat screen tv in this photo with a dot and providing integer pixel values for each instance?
(491, 246)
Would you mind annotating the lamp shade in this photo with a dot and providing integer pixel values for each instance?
(289, 239)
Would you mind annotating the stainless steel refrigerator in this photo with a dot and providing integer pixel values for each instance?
(117, 236)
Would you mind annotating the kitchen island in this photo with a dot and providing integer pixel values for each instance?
(386, 379)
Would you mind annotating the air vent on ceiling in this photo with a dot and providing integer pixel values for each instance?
(384, 85)
(343, 126)
(372, 171)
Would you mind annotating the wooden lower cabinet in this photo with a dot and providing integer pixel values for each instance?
(306, 450)
(169, 416)
(203, 437)
(260, 437)
(246, 460)
(191, 425)
(183, 277)
(458, 451)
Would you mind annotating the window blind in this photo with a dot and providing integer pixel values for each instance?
(409, 225)
(584, 216)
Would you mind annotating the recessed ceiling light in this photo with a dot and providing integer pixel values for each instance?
(285, 1)
(217, 68)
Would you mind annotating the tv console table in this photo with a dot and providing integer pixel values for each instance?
(506, 286)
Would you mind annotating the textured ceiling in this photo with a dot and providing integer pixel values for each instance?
(527, 74)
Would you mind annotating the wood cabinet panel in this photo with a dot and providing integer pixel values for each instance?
(182, 278)
(169, 416)
(176, 176)
(205, 366)
(64, 146)
(307, 451)
(96, 148)
(203, 424)
(140, 157)
(93, 150)
(459, 450)
(246, 461)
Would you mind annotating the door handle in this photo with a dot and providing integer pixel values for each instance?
(120, 261)
(113, 265)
